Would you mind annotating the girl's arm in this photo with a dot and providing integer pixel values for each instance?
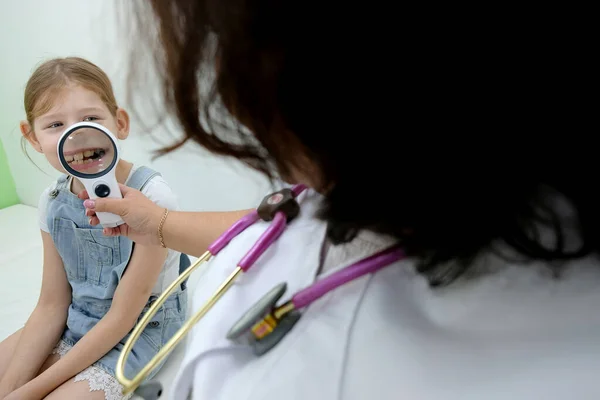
(45, 325)
(131, 296)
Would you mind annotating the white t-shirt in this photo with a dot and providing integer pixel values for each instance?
(515, 333)
(158, 191)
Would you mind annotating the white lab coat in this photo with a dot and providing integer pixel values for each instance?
(512, 334)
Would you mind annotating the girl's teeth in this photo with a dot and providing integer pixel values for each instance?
(81, 158)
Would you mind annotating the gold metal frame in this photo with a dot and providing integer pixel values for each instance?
(130, 385)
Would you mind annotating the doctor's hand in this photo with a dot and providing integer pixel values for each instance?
(141, 215)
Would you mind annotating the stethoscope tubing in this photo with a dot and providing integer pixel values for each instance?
(323, 286)
(271, 234)
(299, 300)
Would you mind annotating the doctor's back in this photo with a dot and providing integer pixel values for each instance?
(440, 142)
(510, 330)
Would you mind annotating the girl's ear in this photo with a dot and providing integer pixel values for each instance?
(122, 124)
(27, 132)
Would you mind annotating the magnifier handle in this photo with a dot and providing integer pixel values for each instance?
(108, 188)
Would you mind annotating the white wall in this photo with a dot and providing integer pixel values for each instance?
(34, 30)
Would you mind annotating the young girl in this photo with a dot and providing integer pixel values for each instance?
(94, 288)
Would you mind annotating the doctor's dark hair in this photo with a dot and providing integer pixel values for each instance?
(440, 145)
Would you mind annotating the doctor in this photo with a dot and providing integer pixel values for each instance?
(499, 295)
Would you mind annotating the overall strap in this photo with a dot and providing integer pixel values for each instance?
(62, 182)
(141, 177)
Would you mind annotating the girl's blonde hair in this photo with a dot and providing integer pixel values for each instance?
(51, 76)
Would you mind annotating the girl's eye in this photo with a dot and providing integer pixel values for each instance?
(90, 119)
(55, 125)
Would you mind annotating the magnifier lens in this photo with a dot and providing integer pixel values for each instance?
(87, 151)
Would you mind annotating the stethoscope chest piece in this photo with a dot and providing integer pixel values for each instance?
(261, 327)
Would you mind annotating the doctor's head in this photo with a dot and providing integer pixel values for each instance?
(64, 91)
(410, 135)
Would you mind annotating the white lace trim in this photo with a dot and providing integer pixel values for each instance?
(61, 349)
(96, 377)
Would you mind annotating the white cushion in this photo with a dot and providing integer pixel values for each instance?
(20, 266)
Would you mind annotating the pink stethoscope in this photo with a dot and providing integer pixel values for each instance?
(265, 323)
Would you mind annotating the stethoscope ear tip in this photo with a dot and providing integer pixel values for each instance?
(149, 391)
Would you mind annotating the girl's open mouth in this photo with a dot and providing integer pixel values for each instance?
(84, 156)
(84, 159)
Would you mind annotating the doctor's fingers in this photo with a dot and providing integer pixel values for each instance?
(115, 206)
(120, 230)
(83, 195)
(116, 231)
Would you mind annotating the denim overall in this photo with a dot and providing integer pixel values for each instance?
(94, 265)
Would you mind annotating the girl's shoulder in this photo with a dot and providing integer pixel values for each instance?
(43, 202)
(153, 186)
(61, 180)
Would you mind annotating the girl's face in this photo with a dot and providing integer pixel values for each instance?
(76, 104)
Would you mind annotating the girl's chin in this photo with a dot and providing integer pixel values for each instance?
(57, 166)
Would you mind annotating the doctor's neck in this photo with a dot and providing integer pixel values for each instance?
(303, 170)
(310, 180)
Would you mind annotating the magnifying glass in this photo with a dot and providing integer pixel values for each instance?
(89, 152)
